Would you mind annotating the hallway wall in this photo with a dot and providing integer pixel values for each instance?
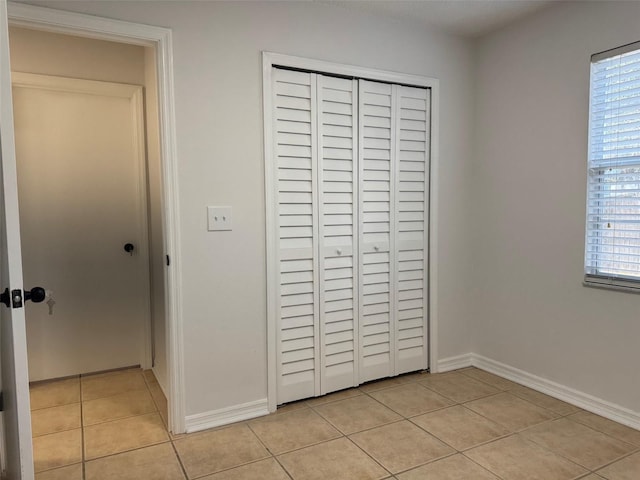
(47, 53)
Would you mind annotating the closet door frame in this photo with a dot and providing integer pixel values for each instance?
(270, 60)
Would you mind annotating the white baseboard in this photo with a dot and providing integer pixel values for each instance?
(580, 399)
(224, 416)
(617, 413)
(455, 363)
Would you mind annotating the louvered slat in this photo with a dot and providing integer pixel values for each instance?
(295, 145)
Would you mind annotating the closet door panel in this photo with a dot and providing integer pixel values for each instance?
(337, 201)
(295, 153)
(411, 223)
(375, 232)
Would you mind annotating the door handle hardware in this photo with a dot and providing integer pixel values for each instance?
(13, 299)
(5, 297)
(128, 247)
(36, 294)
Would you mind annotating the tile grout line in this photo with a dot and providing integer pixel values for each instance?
(558, 454)
(116, 419)
(404, 418)
(433, 460)
(297, 449)
(556, 417)
(634, 451)
(171, 440)
(462, 405)
(139, 389)
(274, 455)
(637, 445)
(493, 440)
(146, 389)
(182, 467)
(84, 473)
(284, 469)
(517, 385)
(481, 466)
(455, 450)
(147, 384)
(370, 456)
(124, 451)
(484, 381)
(242, 423)
(342, 434)
(626, 455)
(84, 460)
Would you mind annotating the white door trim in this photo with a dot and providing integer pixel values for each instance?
(269, 60)
(47, 19)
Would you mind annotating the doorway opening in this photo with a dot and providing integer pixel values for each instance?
(90, 191)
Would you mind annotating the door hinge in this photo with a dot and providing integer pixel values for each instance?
(168, 261)
(1, 401)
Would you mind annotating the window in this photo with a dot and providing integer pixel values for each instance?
(612, 250)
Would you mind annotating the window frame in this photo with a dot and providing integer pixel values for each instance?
(595, 279)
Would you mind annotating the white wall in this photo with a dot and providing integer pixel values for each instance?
(531, 310)
(46, 53)
(217, 59)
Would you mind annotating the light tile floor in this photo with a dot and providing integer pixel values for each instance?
(463, 425)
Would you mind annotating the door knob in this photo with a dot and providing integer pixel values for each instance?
(36, 294)
(128, 247)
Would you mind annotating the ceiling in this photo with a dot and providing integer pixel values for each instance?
(469, 18)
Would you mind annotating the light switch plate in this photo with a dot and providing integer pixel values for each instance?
(218, 218)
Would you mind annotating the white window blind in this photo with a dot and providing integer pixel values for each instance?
(612, 251)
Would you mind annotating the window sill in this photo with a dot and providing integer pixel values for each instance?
(627, 287)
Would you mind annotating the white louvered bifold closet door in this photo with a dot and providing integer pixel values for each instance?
(376, 240)
(337, 205)
(411, 223)
(295, 144)
(352, 169)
